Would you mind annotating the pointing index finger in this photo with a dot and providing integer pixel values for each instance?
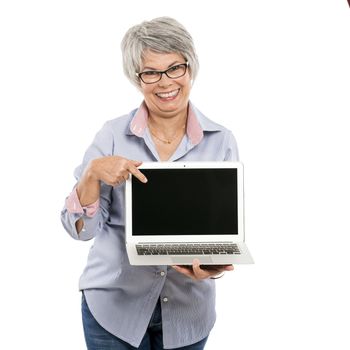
(137, 173)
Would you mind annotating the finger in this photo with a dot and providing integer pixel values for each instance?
(219, 269)
(119, 180)
(137, 163)
(184, 271)
(220, 272)
(137, 173)
(229, 268)
(116, 183)
(110, 180)
(198, 272)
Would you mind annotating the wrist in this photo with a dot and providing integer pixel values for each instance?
(90, 174)
(88, 188)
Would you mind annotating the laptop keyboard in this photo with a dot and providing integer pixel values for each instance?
(187, 249)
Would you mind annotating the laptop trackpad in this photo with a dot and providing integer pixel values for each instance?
(184, 260)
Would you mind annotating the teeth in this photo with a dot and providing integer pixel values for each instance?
(168, 94)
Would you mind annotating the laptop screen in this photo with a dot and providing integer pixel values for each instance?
(185, 202)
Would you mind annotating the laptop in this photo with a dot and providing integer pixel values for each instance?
(186, 210)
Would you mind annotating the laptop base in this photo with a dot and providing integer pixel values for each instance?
(243, 258)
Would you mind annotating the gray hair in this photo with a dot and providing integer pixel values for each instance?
(163, 35)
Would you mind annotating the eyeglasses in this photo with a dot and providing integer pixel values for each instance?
(153, 76)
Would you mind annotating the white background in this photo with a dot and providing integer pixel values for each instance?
(275, 72)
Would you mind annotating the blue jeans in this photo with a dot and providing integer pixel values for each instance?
(97, 338)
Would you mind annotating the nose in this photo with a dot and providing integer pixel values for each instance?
(165, 81)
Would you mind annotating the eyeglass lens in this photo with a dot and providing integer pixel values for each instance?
(173, 73)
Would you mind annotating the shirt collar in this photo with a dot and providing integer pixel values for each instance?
(197, 123)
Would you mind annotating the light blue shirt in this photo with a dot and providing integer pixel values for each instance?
(122, 297)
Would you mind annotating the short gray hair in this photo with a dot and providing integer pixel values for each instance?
(162, 34)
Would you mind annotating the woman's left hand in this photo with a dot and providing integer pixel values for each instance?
(197, 273)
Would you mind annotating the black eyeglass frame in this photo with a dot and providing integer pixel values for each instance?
(186, 64)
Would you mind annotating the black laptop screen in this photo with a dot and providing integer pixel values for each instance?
(185, 202)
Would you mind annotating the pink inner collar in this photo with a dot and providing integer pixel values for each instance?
(194, 130)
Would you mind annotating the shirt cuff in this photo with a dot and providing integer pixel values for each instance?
(74, 207)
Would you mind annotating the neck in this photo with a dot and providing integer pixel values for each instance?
(167, 126)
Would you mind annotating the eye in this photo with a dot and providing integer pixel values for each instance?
(150, 73)
(175, 68)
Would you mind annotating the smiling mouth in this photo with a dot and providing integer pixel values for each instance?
(168, 95)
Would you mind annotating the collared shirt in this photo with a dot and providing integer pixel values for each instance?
(122, 297)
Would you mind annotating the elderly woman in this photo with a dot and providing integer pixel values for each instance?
(144, 307)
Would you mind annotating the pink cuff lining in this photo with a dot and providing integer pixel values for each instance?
(74, 207)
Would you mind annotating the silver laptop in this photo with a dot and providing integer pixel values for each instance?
(186, 210)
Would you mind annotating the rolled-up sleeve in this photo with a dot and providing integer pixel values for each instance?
(102, 145)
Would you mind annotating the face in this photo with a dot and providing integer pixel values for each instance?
(167, 97)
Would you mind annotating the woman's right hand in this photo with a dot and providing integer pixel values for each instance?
(114, 170)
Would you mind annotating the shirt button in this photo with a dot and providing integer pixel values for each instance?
(165, 300)
(162, 273)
